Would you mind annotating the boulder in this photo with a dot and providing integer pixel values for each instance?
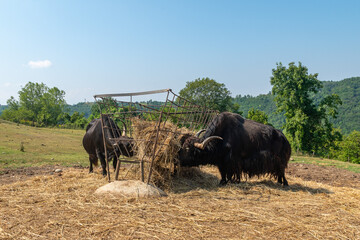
(131, 188)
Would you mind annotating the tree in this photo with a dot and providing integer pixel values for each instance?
(37, 104)
(350, 148)
(53, 104)
(207, 92)
(105, 105)
(258, 116)
(307, 125)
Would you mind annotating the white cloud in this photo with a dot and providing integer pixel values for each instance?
(40, 64)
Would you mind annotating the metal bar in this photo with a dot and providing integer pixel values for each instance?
(106, 158)
(156, 139)
(118, 163)
(142, 169)
(131, 161)
(131, 94)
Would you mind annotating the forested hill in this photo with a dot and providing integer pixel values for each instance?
(349, 92)
(81, 107)
(349, 113)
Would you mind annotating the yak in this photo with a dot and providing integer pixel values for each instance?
(238, 146)
(116, 144)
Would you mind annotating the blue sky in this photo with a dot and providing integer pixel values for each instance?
(93, 47)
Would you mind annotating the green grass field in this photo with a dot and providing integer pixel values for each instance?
(327, 162)
(52, 146)
(42, 146)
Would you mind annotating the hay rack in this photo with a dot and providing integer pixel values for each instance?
(136, 112)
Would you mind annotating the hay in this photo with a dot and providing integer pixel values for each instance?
(167, 141)
(65, 207)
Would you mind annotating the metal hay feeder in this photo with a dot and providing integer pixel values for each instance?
(126, 112)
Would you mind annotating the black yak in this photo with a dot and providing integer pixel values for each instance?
(238, 146)
(115, 143)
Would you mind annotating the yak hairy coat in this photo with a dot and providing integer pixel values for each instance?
(238, 147)
(93, 143)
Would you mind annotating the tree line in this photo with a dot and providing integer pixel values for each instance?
(307, 119)
(349, 113)
(41, 106)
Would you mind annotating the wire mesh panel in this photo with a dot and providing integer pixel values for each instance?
(148, 133)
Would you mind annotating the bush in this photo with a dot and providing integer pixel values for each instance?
(350, 148)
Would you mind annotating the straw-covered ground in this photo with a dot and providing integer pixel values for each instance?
(63, 206)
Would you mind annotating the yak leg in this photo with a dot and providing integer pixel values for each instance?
(223, 173)
(102, 161)
(285, 182)
(115, 162)
(233, 170)
(282, 179)
(93, 161)
(91, 165)
(279, 178)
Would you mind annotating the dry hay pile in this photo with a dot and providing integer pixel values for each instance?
(167, 147)
(64, 207)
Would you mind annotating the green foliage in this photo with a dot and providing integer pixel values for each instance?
(348, 113)
(75, 121)
(349, 92)
(207, 92)
(307, 124)
(263, 102)
(350, 148)
(38, 105)
(258, 116)
(105, 105)
(2, 108)
(95, 111)
(81, 107)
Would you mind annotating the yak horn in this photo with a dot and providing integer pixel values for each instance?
(124, 126)
(199, 132)
(206, 142)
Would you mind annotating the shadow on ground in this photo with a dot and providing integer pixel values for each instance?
(194, 179)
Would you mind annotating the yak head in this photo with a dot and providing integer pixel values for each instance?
(194, 152)
(125, 146)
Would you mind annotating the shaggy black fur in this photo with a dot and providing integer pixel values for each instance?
(94, 144)
(248, 148)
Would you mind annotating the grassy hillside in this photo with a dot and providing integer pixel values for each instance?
(349, 113)
(42, 146)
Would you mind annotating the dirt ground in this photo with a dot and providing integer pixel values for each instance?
(328, 175)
